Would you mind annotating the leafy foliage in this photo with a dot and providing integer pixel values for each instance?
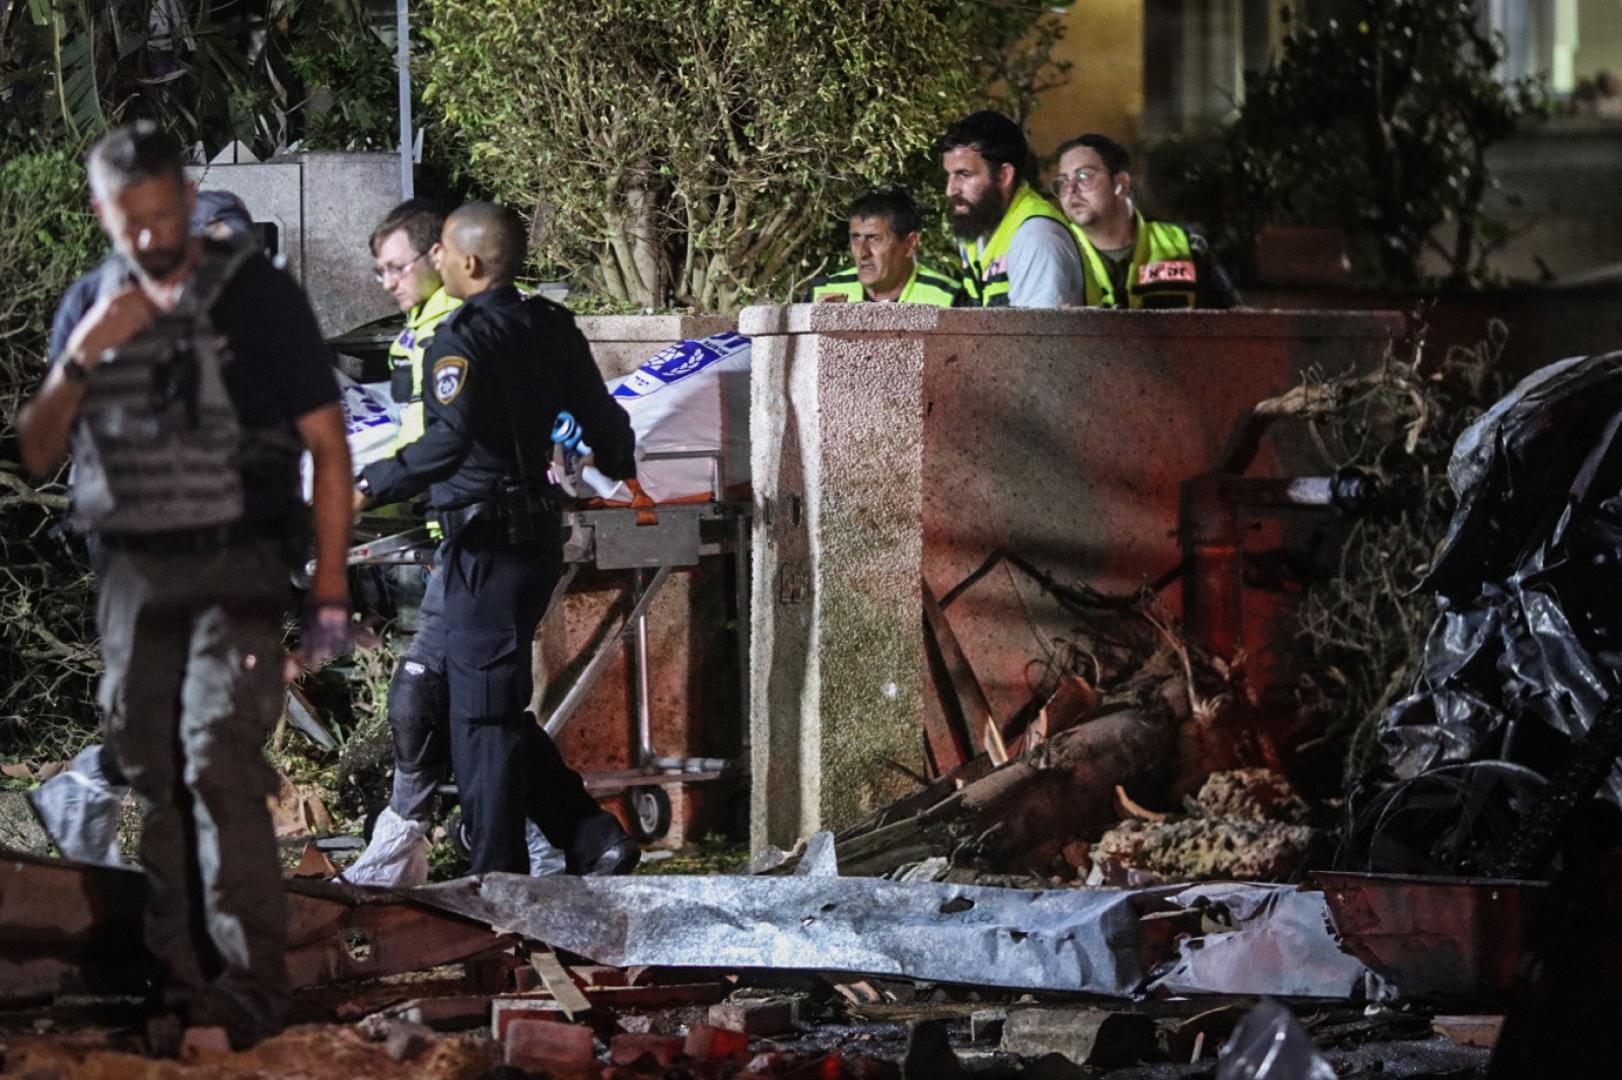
(689, 152)
(48, 654)
(265, 72)
(1378, 123)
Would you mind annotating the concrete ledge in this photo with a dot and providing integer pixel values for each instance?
(1073, 322)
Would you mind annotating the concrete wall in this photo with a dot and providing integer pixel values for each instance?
(324, 206)
(893, 445)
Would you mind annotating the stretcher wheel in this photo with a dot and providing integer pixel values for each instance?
(649, 811)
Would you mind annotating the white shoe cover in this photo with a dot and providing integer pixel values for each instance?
(80, 811)
(397, 857)
(544, 859)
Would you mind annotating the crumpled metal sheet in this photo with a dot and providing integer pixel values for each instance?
(1061, 939)
(1282, 945)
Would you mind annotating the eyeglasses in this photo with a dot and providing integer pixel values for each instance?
(1082, 178)
(381, 274)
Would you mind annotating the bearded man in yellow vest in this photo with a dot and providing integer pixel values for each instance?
(1016, 248)
(1131, 261)
(885, 227)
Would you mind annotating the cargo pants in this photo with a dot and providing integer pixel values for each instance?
(192, 688)
(485, 599)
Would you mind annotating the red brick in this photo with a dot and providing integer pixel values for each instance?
(704, 1041)
(546, 1046)
(759, 1018)
(626, 1049)
(504, 1010)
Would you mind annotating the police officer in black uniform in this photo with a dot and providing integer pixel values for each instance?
(499, 371)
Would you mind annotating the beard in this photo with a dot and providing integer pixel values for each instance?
(978, 218)
(159, 263)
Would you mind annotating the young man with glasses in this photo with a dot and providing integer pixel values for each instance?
(1131, 262)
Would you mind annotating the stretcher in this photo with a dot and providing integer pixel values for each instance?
(646, 544)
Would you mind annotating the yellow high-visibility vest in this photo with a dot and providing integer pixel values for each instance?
(925, 286)
(1161, 275)
(405, 363)
(985, 269)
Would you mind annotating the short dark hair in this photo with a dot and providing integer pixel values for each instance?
(994, 137)
(893, 203)
(130, 154)
(420, 219)
(1112, 153)
(495, 234)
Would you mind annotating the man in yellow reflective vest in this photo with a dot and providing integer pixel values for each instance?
(885, 228)
(1016, 248)
(1131, 261)
(406, 250)
(405, 247)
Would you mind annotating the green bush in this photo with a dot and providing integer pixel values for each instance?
(690, 152)
(48, 654)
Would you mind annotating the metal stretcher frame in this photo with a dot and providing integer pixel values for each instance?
(652, 543)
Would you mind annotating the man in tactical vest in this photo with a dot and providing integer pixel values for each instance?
(1016, 248)
(500, 369)
(1131, 262)
(885, 228)
(194, 376)
(80, 807)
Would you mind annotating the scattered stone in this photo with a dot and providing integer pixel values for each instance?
(637, 1024)
(929, 1053)
(1253, 795)
(504, 1010)
(760, 1019)
(405, 1041)
(204, 1042)
(1200, 848)
(1055, 1067)
(1084, 1036)
(628, 1049)
(445, 1013)
(985, 1025)
(708, 1041)
(1469, 1030)
(19, 828)
(592, 975)
(546, 1046)
(314, 863)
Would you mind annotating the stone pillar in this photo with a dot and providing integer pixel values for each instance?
(836, 643)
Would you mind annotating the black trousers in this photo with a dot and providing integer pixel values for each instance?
(507, 768)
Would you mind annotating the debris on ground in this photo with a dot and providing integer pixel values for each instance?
(1501, 741)
(1245, 825)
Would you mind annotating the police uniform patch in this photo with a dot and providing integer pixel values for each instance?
(449, 375)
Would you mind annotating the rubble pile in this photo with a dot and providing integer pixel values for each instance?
(1245, 824)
